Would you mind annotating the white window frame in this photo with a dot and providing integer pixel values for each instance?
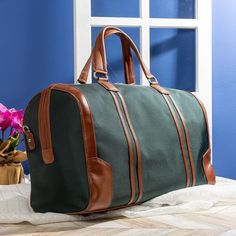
(83, 22)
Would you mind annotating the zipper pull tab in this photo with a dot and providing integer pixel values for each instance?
(29, 137)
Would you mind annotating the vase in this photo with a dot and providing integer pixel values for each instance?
(11, 170)
(11, 173)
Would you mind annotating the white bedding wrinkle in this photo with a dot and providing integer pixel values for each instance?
(15, 203)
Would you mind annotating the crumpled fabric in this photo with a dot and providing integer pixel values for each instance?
(15, 204)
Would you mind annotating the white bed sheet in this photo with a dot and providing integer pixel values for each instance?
(15, 204)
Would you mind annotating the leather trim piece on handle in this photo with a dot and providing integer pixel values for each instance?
(108, 86)
(206, 162)
(180, 139)
(187, 140)
(158, 88)
(138, 151)
(130, 148)
(44, 127)
(98, 170)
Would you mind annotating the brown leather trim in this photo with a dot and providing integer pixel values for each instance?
(138, 151)
(86, 119)
(44, 127)
(187, 139)
(158, 88)
(207, 166)
(128, 63)
(130, 148)
(98, 170)
(108, 86)
(100, 174)
(180, 139)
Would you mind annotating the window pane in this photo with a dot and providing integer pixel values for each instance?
(118, 8)
(172, 8)
(173, 57)
(114, 54)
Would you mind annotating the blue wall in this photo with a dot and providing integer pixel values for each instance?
(173, 57)
(224, 87)
(36, 48)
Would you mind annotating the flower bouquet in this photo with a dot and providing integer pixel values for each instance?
(11, 122)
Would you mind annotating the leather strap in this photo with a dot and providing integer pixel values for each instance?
(130, 148)
(98, 56)
(187, 140)
(111, 88)
(127, 62)
(44, 126)
(181, 140)
(206, 161)
(138, 150)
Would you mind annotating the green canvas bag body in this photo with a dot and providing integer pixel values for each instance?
(102, 146)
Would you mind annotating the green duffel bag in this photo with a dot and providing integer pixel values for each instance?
(102, 146)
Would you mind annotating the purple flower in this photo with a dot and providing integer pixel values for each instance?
(17, 120)
(5, 118)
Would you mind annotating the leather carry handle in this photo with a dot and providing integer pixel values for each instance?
(98, 57)
(127, 61)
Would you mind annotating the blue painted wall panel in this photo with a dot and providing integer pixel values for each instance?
(117, 8)
(172, 8)
(36, 45)
(224, 87)
(36, 48)
(173, 57)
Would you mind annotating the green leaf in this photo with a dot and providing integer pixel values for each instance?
(14, 141)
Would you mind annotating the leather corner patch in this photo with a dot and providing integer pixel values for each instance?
(208, 168)
(100, 178)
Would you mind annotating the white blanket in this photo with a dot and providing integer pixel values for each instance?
(15, 206)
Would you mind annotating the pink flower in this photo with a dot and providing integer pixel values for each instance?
(17, 120)
(5, 118)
